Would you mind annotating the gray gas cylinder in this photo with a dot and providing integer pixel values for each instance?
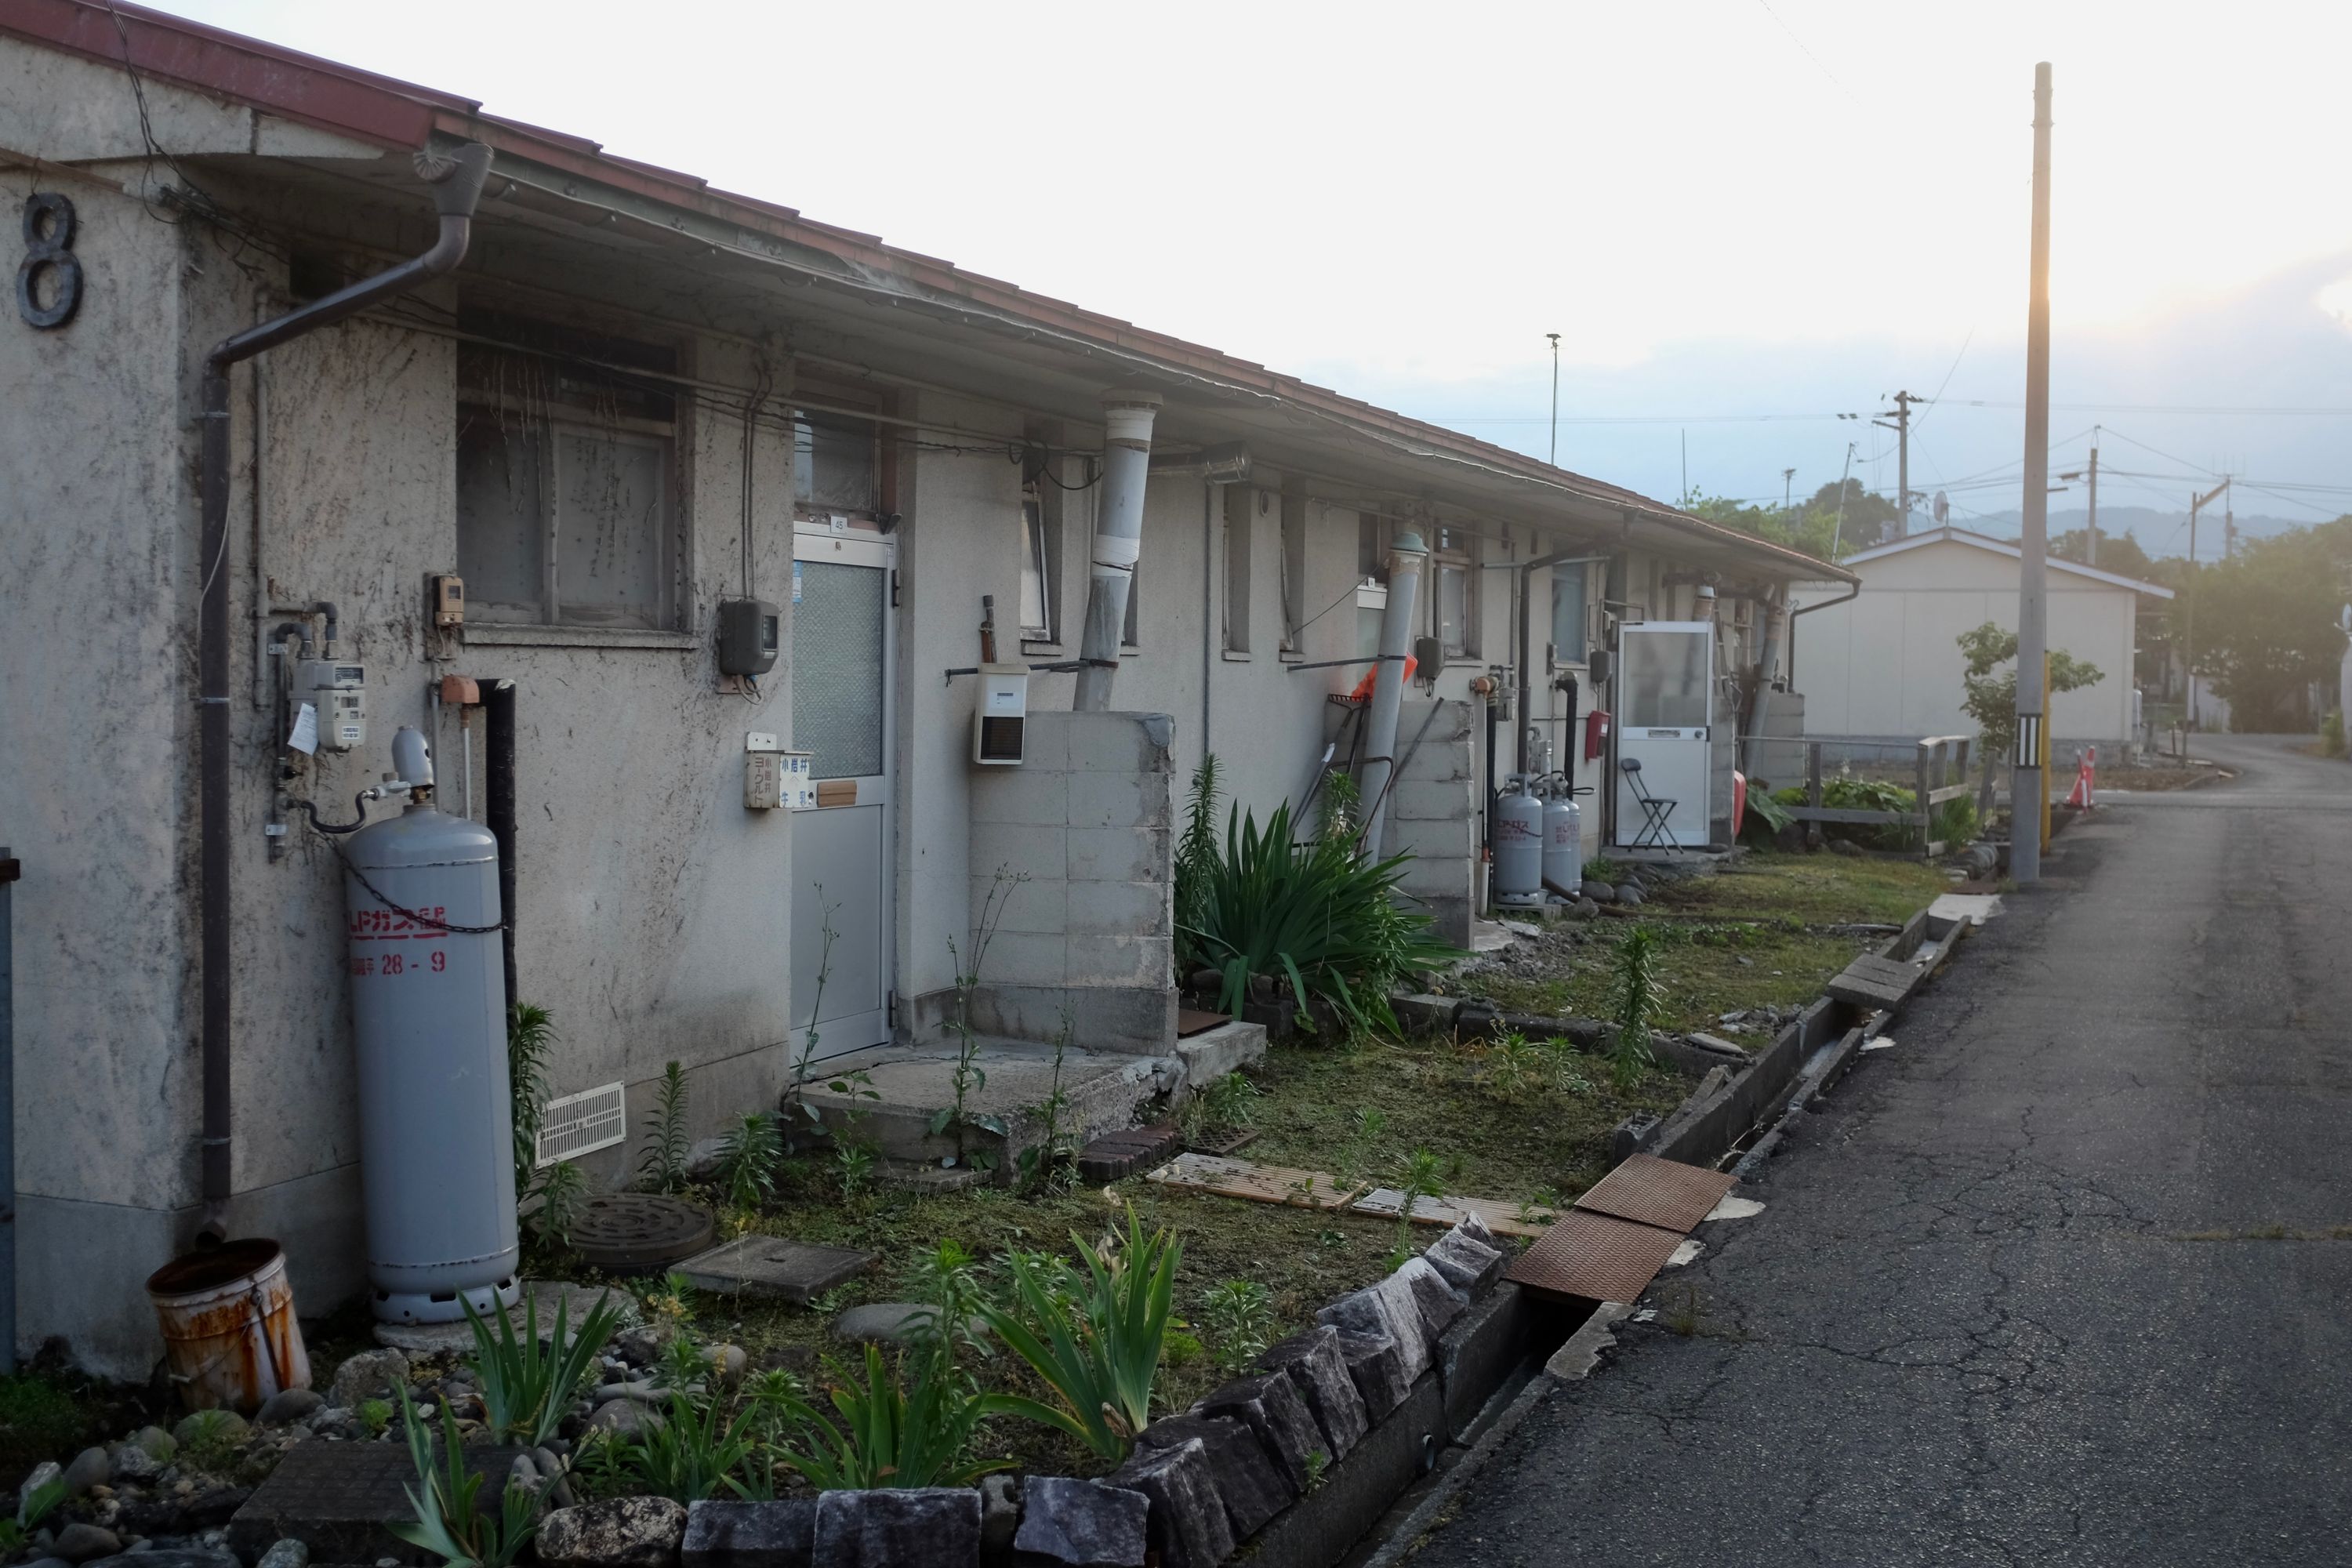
(428, 1014)
(1519, 844)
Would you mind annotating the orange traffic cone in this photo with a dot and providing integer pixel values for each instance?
(2085, 777)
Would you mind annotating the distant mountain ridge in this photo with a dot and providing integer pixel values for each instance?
(2157, 532)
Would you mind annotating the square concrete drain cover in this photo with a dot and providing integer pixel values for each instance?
(1595, 1257)
(340, 1497)
(770, 1266)
(1651, 1191)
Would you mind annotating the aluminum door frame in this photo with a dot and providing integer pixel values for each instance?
(1686, 828)
(841, 1034)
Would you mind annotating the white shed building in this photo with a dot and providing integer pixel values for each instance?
(1885, 662)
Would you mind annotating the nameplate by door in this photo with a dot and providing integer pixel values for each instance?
(836, 792)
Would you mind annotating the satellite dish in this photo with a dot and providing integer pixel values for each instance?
(1943, 509)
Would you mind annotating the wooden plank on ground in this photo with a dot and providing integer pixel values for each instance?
(1501, 1218)
(1259, 1183)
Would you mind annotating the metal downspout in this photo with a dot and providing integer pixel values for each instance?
(1774, 607)
(457, 186)
(7, 1118)
(1118, 540)
(1406, 557)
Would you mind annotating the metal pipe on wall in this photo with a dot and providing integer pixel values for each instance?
(499, 809)
(457, 186)
(7, 1115)
(1406, 557)
(1118, 541)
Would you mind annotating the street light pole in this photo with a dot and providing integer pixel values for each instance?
(2029, 794)
(1554, 459)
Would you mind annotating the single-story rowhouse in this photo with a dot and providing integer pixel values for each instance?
(655, 488)
(1886, 665)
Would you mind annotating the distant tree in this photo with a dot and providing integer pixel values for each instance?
(1991, 700)
(1870, 518)
(2267, 621)
(2118, 552)
(1804, 527)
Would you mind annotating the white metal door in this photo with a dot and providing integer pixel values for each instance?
(843, 859)
(1666, 689)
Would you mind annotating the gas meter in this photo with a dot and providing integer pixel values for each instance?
(336, 690)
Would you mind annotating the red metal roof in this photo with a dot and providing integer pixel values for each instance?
(396, 114)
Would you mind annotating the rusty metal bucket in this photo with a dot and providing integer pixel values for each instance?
(229, 1330)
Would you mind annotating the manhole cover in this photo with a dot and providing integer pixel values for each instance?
(635, 1233)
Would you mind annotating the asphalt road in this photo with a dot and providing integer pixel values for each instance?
(2049, 1282)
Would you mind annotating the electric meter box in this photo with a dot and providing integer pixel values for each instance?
(749, 633)
(337, 689)
(775, 779)
(1001, 717)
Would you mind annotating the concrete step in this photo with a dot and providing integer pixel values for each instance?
(911, 1084)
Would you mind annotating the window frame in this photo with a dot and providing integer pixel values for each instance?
(1238, 508)
(572, 353)
(1455, 550)
(1580, 654)
(1294, 572)
(1040, 538)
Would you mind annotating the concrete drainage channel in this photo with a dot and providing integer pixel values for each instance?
(1736, 1118)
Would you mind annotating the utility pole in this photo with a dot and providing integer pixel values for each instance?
(1844, 476)
(2091, 538)
(1554, 459)
(1788, 478)
(2029, 794)
(2188, 612)
(1902, 429)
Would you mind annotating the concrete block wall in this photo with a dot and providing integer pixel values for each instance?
(1085, 822)
(1432, 813)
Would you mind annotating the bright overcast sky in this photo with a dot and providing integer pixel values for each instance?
(1723, 206)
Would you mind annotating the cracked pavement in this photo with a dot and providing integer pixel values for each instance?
(2020, 1293)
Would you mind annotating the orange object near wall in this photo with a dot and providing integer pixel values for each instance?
(1364, 688)
(1738, 801)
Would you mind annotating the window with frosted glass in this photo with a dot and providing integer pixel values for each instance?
(566, 502)
(1568, 590)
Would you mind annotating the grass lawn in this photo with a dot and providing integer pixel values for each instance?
(1767, 932)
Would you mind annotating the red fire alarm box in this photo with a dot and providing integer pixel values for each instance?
(1596, 734)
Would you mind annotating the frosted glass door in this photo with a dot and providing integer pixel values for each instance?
(842, 857)
(1666, 686)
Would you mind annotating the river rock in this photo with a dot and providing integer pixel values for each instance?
(1248, 1478)
(289, 1406)
(1272, 1408)
(134, 1464)
(1313, 1363)
(1598, 892)
(90, 1468)
(641, 1390)
(887, 1322)
(625, 1417)
(370, 1374)
(619, 1532)
(731, 1534)
(79, 1542)
(1628, 892)
(728, 1364)
(1186, 1525)
(1077, 1522)
(40, 1475)
(288, 1552)
(898, 1527)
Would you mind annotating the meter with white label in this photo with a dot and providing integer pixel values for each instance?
(337, 689)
